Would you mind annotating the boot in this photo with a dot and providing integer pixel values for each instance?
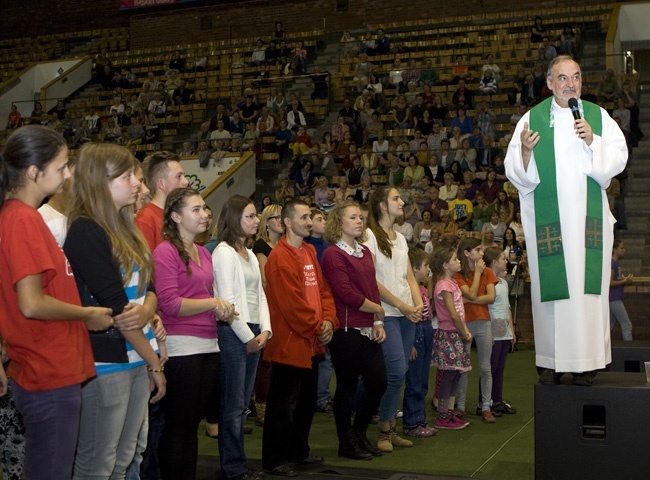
(351, 448)
(260, 408)
(365, 443)
(383, 441)
(396, 440)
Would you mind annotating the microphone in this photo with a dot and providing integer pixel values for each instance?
(573, 105)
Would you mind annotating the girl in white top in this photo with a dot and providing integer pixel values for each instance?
(401, 300)
(502, 328)
(237, 280)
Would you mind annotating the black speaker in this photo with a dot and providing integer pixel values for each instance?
(629, 356)
(597, 432)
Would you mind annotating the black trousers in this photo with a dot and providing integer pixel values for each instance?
(355, 355)
(190, 381)
(289, 413)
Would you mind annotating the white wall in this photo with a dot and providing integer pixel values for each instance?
(633, 22)
(32, 80)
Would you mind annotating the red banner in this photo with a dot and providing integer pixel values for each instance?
(131, 4)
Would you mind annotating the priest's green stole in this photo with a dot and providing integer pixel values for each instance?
(550, 250)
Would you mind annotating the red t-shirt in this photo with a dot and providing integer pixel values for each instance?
(474, 311)
(150, 221)
(44, 354)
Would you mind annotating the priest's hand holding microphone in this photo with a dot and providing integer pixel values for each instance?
(583, 129)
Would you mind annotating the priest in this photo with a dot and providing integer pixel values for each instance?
(561, 160)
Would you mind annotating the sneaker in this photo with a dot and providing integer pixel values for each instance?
(399, 414)
(487, 417)
(503, 408)
(283, 470)
(327, 407)
(448, 424)
(458, 421)
(421, 431)
(457, 412)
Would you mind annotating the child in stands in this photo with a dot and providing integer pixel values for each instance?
(449, 343)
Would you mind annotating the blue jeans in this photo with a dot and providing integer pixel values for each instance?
(51, 420)
(400, 336)
(324, 377)
(237, 377)
(417, 378)
(618, 313)
(481, 330)
(113, 410)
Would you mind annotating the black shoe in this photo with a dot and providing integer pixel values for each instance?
(248, 430)
(283, 470)
(366, 445)
(503, 408)
(548, 376)
(309, 461)
(351, 448)
(582, 379)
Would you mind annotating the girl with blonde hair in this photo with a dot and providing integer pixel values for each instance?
(113, 268)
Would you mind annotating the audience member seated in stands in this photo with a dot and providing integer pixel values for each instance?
(537, 31)
(622, 115)
(356, 173)
(482, 211)
(339, 129)
(182, 95)
(302, 143)
(200, 63)
(471, 184)
(449, 189)
(608, 87)
(412, 74)
(176, 63)
(344, 190)
(460, 70)
(186, 150)
(404, 228)
(259, 54)
(413, 210)
(568, 41)
(251, 136)
(447, 155)
(423, 230)
(490, 65)
(321, 86)
(381, 145)
(549, 50)
(488, 84)
(462, 121)
(462, 97)
(220, 133)
(414, 170)
(447, 225)
(295, 117)
(304, 180)
(401, 114)
(14, 119)
(395, 172)
(362, 195)
(504, 207)
(462, 209)
(490, 188)
(266, 122)
(382, 43)
(282, 138)
(396, 77)
(237, 126)
(428, 76)
(157, 106)
(496, 226)
(92, 120)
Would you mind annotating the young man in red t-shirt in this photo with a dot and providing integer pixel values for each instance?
(163, 173)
